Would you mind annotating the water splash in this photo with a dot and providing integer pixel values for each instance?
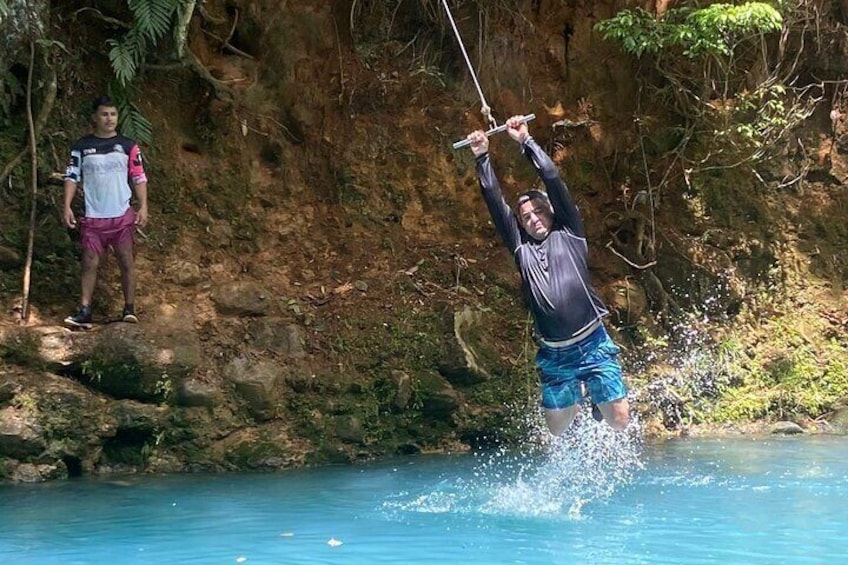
(546, 477)
(560, 476)
(688, 368)
(687, 374)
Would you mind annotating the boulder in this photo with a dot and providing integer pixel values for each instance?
(194, 392)
(403, 390)
(838, 419)
(349, 429)
(21, 436)
(241, 298)
(276, 335)
(256, 383)
(465, 352)
(438, 398)
(786, 428)
(37, 473)
(185, 273)
(144, 362)
(9, 258)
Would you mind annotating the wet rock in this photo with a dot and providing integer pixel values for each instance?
(259, 448)
(630, 302)
(839, 418)
(64, 422)
(241, 298)
(33, 473)
(786, 428)
(165, 463)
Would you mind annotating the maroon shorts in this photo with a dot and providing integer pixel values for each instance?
(98, 234)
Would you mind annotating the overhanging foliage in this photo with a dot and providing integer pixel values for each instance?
(727, 74)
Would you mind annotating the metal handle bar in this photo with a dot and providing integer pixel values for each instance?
(493, 131)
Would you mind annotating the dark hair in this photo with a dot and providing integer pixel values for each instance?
(102, 101)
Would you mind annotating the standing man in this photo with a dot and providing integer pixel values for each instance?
(105, 162)
(548, 243)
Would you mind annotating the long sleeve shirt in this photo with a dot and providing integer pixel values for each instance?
(554, 271)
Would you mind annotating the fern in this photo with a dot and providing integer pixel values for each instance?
(123, 58)
(152, 20)
(132, 122)
(135, 125)
(153, 17)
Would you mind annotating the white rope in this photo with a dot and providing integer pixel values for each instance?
(485, 109)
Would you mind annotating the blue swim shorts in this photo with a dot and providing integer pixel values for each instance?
(593, 361)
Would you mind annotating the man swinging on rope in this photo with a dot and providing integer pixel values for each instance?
(548, 242)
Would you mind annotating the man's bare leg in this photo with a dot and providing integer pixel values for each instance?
(616, 413)
(559, 420)
(126, 263)
(90, 262)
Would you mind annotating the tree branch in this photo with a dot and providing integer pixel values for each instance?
(33, 186)
(46, 109)
(628, 261)
(109, 20)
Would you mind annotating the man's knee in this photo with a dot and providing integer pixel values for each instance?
(90, 260)
(124, 254)
(619, 422)
(559, 420)
(616, 413)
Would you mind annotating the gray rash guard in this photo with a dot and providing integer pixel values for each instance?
(554, 271)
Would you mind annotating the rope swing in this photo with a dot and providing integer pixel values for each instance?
(485, 109)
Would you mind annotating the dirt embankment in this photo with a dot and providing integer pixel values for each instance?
(318, 257)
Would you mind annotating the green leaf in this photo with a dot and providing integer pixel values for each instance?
(153, 17)
(122, 60)
(131, 121)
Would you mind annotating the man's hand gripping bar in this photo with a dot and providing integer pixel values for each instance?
(493, 131)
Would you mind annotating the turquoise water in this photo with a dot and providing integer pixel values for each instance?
(589, 500)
